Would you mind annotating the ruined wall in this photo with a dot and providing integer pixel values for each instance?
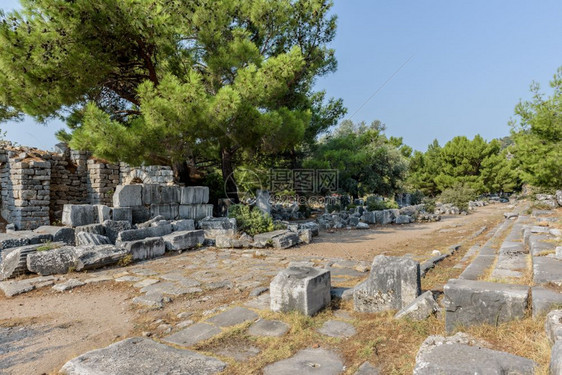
(35, 184)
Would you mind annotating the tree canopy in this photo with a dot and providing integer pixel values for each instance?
(164, 81)
(537, 132)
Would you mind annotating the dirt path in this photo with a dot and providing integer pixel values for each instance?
(43, 329)
(418, 239)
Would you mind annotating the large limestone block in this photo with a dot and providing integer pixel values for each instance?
(84, 238)
(279, 239)
(394, 282)
(151, 194)
(122, 214)
(169, 194)
(103, 212)
(303, 289)
(460, 355)
(195, 211)
(194, 195)
(169, 211)
(383, 217)
(147, 248)
(51, 262)
(14, 260)
(469, 302)
(92, 257)
(556, 359)
(75, 215)
(142, 356)
(184, 240)
(127, 196)
(112, 228)
(139, 234)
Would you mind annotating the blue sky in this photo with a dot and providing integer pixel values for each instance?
(471, 62)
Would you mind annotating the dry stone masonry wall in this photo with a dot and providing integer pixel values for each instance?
(36, 184)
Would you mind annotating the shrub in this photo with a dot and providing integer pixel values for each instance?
(459, 196)
(429, 204)
(375, 203)
(250, 220)
(333, 207)
(305, 210)
(416, 197)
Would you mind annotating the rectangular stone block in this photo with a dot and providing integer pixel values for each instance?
(140, 214)
(167, 211)
(195, 211)
(169, 194)
(75, 215)
(59, 234)
(103, 212)
(151, 194)
(127, 196)
(147, 248)
(394, 282)
(184, 240)
(123, 214)
(139, 234)
(279, 239)
(303, 289)
(182, 225)
(194, 195)
(469, 302)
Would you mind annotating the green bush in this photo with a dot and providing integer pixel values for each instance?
(374, 203)
(250, 220)
(459, 196)
(429, 204)
(416, 197)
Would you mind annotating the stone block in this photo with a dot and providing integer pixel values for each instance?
(232, 317)
(169, 194)
(184, 240)
(14, 260)
(151, 194)
(195, 211)
(51, 262)
(553, 326)
(469, 302)
(420, 308)
(547, 270)
(182, 225)
(369, 217)
(167, 211)
(92, 257)
(127, 196)
(217, 223)
(123, 214)
(544, 300)
(112, 228)
(142, 356)
(308, 361)
(147, 248)
(403, 219)
(268, 328)
(394, 282)
(263, 201)
(194, 334)
(194, 195)
(279, 239)
(84, 238)
(140, 214)
(103, 212)
(556, 359)
(383, 217)
(59, 234)
(139, 234)
(305, 236)
(303, 289)
(75, 215)
(461, 355)
(314, 227)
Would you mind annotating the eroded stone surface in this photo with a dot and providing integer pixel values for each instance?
(269, 328)
(308, 361)
(233, 317)
(337, 328)
(193, 334)
(142, 356)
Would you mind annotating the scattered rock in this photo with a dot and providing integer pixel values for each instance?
(420, 308)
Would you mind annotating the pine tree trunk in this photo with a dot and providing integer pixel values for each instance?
(227, 168)
(181, 173)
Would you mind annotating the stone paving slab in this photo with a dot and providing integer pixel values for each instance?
(169, 288)
(141, 356)
(337, 328)
(478, 267)
(193, 335)
(544, 300)
(268, 328)
(547, 269)
(232, 317)
(308, 361)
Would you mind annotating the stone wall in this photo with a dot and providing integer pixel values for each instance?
(35, 184)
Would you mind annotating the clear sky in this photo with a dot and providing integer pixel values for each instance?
(470, 63)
